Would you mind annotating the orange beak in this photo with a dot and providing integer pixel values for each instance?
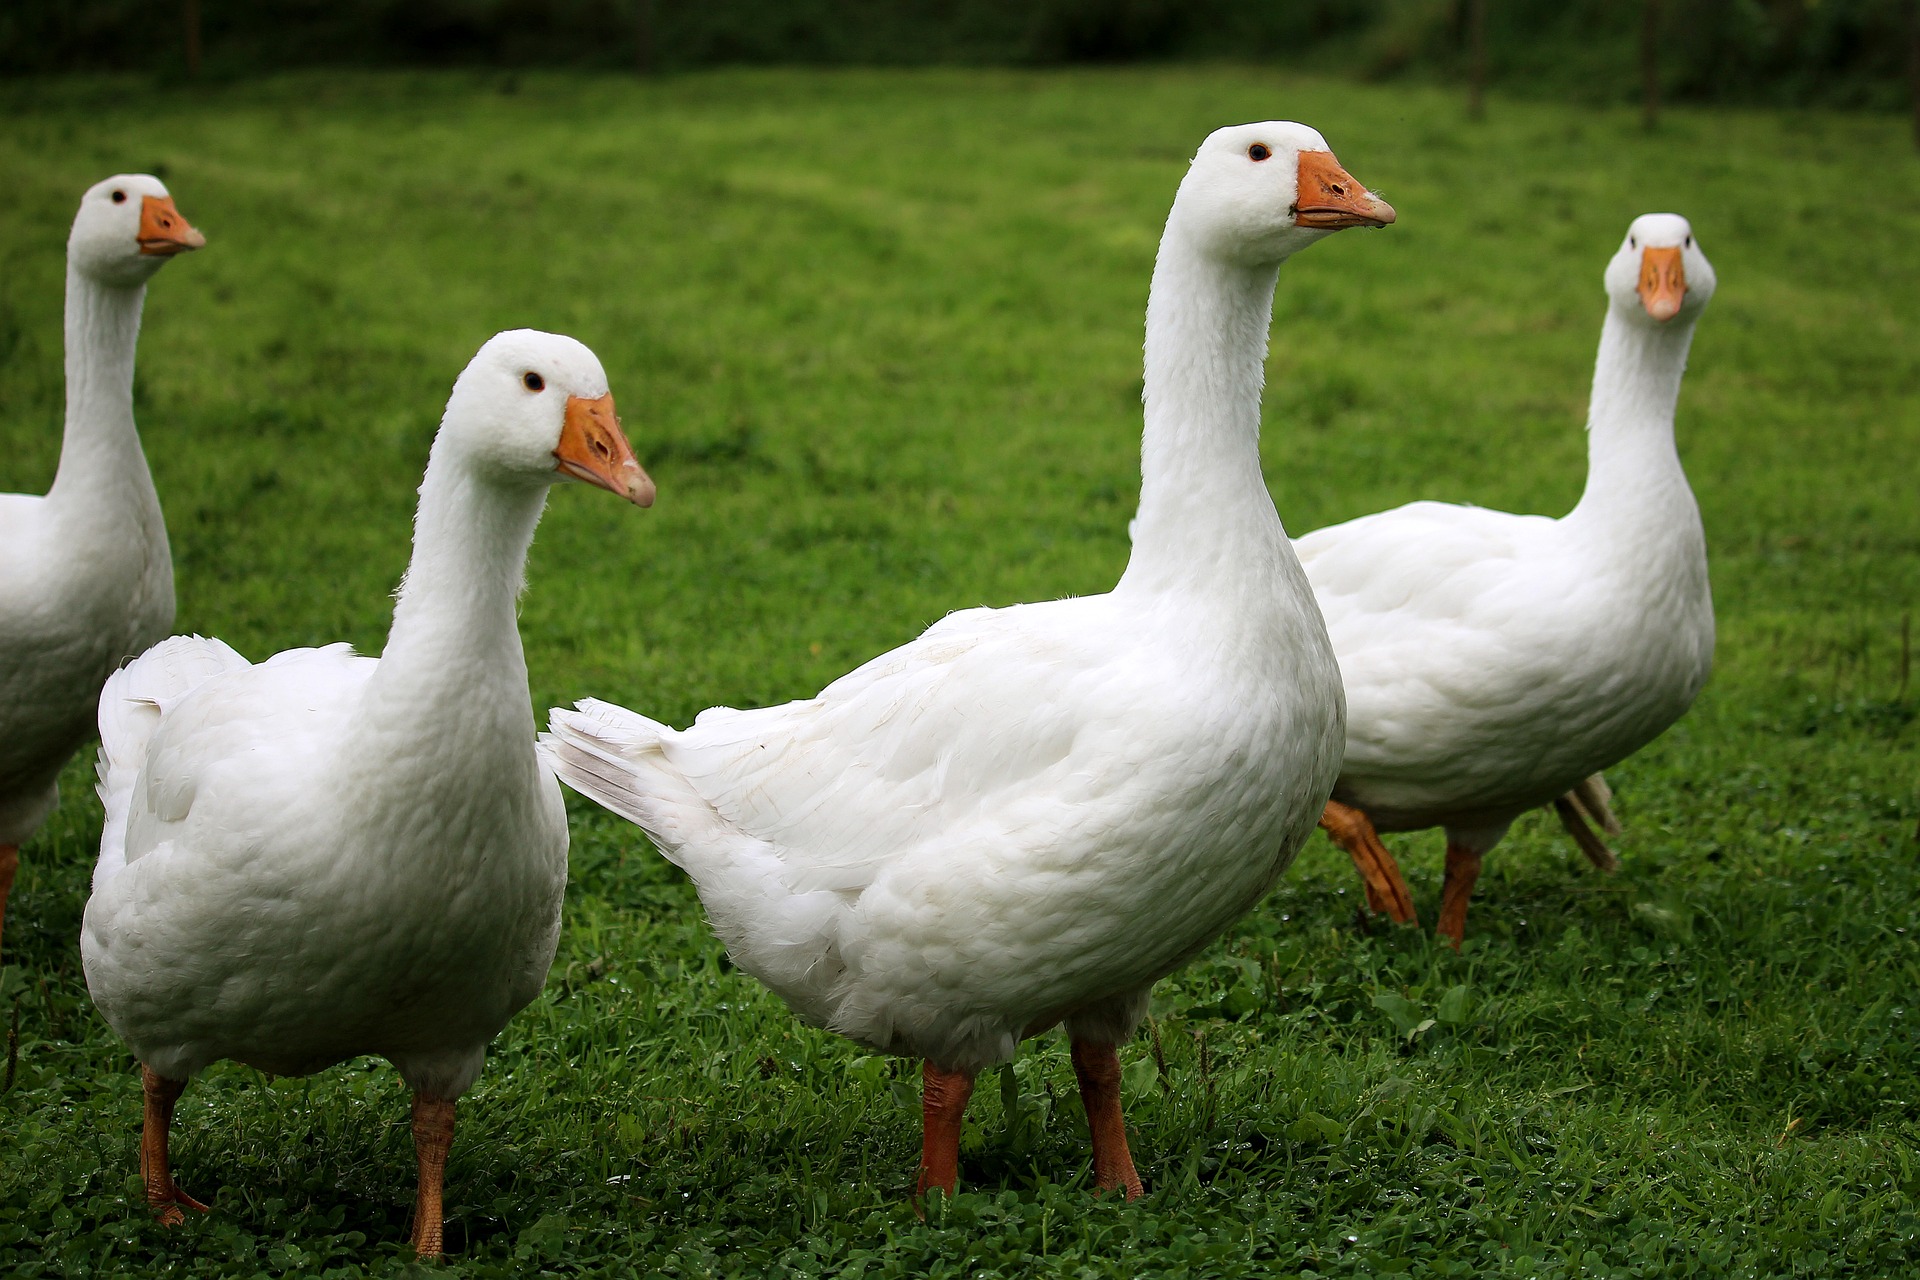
(1329, 198)
(593, 449)
(163, 232)
(1663, 283)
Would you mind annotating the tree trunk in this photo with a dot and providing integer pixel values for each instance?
(1913, 63)
(190, 15)
(1649, 64)
(1477, 66)
(643, 54)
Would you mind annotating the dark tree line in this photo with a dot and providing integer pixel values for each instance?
(1838, 52)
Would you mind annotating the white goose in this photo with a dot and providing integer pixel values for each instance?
(1029, 815)
(85, 578)
(327, 855)
(1492, 661)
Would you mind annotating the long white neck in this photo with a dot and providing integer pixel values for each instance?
(453, 652)
(1633, 468)
(1206, 518)
(101, 466)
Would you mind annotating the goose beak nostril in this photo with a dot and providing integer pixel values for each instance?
(1663, 283)
(1338, 199)
(592, 448)
(163, 232)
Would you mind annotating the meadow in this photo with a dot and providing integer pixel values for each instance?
(877, 337)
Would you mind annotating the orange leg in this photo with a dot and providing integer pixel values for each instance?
(1352, 830)
(432, 1139)
(164, 1195)
(943, 1105)
(1097, 1066)
(9, 863)
(1463, 868)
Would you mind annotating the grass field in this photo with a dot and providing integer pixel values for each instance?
(877, 338)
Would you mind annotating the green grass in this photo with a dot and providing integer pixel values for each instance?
(877, 337)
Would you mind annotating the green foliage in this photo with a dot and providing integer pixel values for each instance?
(1838, 52)
(877, 337)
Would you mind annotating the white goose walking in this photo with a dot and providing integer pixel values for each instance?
(1029, 815)
(86, 581)
(326, 855)
(1495, 663)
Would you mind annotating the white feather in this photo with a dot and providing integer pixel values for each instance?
(86, 580)
(324, 855)
(1033, 813)
(1493, 662)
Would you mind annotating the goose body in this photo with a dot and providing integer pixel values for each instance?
(287, 841)
(86, 580)
(324, 855)
(933, 854)
(1028, 815)
(1495, 662)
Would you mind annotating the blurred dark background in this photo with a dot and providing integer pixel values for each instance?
(1850, 53)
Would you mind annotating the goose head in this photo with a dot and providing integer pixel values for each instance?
(126, 230)
(533, 409)
(1660, 275)
(1256, 194)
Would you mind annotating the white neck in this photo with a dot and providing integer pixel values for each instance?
(101, 466)
(1205, 518)
(455, 641)
(1633, 469)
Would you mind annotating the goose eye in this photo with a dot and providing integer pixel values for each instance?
(1689, 242)
(1632, 243)
(1258, 152)
(119, 197)
(534, 382)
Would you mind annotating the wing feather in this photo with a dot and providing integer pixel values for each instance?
(919, 742)
(1449, 622)
(175, 718)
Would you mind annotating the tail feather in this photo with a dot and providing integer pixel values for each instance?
(612, 756)
(791, 940)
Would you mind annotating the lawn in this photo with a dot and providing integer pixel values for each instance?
(876, 335)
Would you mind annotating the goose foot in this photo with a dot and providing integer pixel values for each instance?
(943, 1105)
(1463, 869)
(9, 863)
(1097, 1067)
(1579, 807)
(432, 1139)
(170, 1215)
(1387, 892)
(164, 1195)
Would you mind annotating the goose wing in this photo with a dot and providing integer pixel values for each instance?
(979, 724)
(1450, 623)
(175, 721)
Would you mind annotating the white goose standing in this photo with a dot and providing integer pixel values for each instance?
(1029, 815)
(85, 578)
(1493, 662)
(327, 855)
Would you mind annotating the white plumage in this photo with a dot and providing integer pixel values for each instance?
(324, 855)
(1493, 662)
(300, 866)
(1030, 814)
(86, 580)
(934, 852)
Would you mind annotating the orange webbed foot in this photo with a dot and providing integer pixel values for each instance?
(1387, 891)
